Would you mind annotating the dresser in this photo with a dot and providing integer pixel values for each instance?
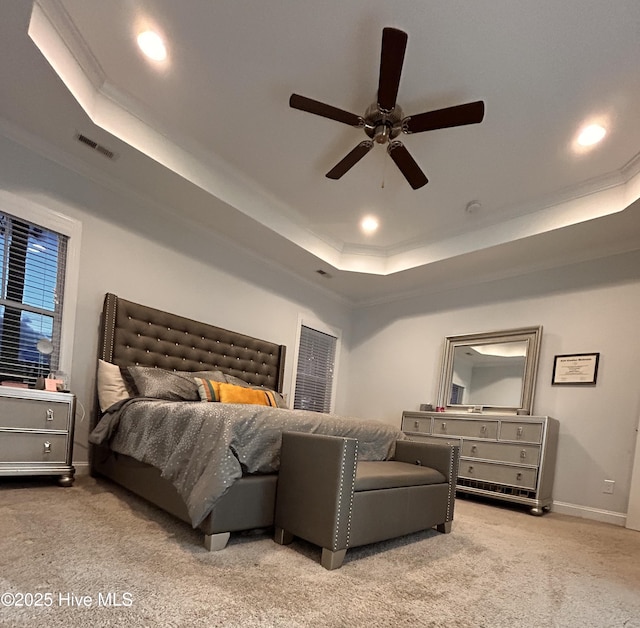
(36, 433)
(511, 458)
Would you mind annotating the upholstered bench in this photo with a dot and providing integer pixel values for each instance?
(325, 496)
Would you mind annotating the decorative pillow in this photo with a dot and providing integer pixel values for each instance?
(210, 390)
(170, 385)
(236, 381)
(111, 385)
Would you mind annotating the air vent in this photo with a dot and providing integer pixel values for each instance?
(323, 273)
(103, 150)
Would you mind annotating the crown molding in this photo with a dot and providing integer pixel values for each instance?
(83, 169)
(439, 288)
(53, 13)
(61, 43)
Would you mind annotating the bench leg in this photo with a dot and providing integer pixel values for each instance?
(282, 536)
(216, 542)
(332, 560)
(445, 527)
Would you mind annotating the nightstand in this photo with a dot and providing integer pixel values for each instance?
(36, 433)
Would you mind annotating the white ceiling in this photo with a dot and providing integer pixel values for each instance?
(210, 133)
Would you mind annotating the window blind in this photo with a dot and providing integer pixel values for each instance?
(314, 374)
(31, 296)
(457, 393)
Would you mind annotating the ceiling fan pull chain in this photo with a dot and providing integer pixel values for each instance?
(384, 169)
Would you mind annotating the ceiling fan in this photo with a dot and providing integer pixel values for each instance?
(384, 120)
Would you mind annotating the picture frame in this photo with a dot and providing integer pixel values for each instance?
(575, 369)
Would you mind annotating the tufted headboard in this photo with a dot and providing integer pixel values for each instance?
(136, 334)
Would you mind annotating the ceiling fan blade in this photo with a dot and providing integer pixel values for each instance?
(469, 113)
(326, 111)
(350, 160)
(394, 43)
(407, 164)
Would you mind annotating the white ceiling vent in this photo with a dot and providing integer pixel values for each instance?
(97, 147)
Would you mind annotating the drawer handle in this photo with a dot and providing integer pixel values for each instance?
(473, 449)
(49, 414)
(519, 476)
(519, 432)
(47, 447)
(416, 424)
(470, 468)
(483, 429)
(444, 426)
(523, 454)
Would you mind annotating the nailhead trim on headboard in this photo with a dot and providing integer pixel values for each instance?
(137, 334)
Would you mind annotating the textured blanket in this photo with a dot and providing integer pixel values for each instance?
(202, 448)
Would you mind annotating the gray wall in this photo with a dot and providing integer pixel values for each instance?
(391, 353)
(150, 257)
(588, 307)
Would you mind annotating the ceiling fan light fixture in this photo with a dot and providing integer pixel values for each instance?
(152, 45)
(384, 120)
(381, 134)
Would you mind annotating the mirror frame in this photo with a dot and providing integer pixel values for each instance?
(531, 335)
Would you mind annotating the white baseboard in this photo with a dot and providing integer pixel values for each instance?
(585, 512)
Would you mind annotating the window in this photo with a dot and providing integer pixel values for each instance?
(457, 394)
(31, 296)
(315, 370)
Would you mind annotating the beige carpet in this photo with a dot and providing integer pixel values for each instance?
(499, 567)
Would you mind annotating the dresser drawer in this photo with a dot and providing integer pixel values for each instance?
(32, 447)
(416, 424)
(442, 440)
(499, 474)
(34, 414)
(501, 452)
(520, 430)
(464, 427)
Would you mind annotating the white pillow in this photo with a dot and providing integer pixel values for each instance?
(111, 386)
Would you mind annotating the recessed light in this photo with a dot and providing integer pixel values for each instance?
(591, 135)
(152, 45)
(369, 224)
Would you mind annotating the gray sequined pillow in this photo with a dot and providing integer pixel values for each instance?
(170, 385)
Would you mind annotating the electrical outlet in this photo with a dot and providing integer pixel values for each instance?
(608, 486)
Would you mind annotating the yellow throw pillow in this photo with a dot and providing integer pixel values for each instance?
(210, 390)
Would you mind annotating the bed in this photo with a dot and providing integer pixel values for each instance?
(151, 340)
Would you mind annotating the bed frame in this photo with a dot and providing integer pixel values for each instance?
(133, 334)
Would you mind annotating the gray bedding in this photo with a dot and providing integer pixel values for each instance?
(202, 448)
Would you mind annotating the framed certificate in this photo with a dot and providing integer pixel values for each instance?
(576, 368)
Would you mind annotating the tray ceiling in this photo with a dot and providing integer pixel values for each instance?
(216, 116)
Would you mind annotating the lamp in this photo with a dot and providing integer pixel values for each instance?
(44, 347)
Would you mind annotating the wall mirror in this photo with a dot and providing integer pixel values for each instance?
(492, 371)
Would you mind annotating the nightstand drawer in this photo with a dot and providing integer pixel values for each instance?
(34, 414)
(501, 452)
(499, 474)
(32, 447)
(443, 426)
(526, 432)
(416, 424)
